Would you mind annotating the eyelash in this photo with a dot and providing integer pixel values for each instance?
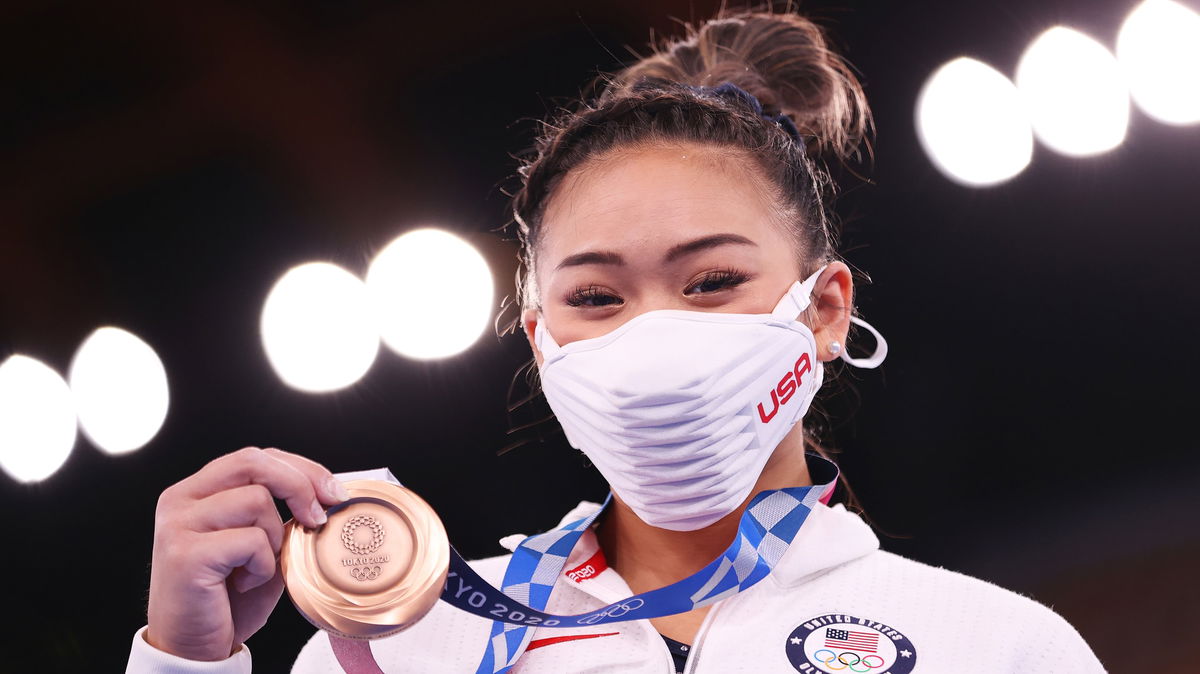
(725, 278)
(580, 296)
(597, 296)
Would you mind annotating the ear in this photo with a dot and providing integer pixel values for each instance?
(529, 321)
(833, 301)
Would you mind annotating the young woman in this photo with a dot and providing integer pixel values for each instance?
(682, 294)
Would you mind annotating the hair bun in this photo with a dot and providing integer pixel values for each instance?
(783, 59)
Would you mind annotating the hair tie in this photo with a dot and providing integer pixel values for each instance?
(732, 92)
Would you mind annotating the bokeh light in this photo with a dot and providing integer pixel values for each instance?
(1159, 50)
(120, 389)
(318, 329)
(1075, 93)
(971, 123)
(37, 419)
(433, 294)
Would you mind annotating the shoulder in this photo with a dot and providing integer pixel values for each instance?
(840, 560)
(937, 584)
(949, 606)
(445, 640)
(835, 574)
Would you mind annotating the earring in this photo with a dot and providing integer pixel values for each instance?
(834, 348)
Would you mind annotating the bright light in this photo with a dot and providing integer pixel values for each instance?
(1159, 50)
(317, 328)
(971, 123)
(433, 292)
(37, 419)
(1075, 93)
(120, 389)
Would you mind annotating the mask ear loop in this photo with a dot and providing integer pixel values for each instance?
(876, 358)
(545, 341)
(797, 299)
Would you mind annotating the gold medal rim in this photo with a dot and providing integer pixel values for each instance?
(387, 611)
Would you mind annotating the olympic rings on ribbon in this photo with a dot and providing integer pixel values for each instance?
(616, 611)
(840, 657)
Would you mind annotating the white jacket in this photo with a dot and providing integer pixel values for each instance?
(834, 594)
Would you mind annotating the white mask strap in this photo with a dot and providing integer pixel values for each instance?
(544, 341)
(881, 348)
(797, 298)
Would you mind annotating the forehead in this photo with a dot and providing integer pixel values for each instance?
(650, 197)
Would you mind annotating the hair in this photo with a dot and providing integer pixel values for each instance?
(781, 58)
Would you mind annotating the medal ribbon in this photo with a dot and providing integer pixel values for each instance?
(765, 531)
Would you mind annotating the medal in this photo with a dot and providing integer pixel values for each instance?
(376, 567)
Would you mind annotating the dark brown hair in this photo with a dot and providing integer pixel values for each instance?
(782, 59)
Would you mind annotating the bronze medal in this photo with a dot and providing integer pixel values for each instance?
(375, 568)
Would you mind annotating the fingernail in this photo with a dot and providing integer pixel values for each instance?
(335, 489)
(318, 513)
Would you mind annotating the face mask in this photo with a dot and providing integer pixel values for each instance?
(680, 410)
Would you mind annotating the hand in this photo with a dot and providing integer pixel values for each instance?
(215, 577)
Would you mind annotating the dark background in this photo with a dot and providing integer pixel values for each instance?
(163, 165)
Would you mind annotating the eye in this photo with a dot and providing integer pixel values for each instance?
(712, 281)
(592, 296)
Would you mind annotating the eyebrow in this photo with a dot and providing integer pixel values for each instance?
(704, 243)
(676, 252)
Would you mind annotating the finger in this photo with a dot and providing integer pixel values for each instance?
(254, 466)
(329, 490)
(248, 506)
(247, 608)
(240, 578)
(246, 548)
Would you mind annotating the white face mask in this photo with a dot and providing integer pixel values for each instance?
(680, 410)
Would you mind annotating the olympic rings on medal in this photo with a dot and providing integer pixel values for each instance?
(365, 572)
(842, 659)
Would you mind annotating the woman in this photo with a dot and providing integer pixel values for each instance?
(682, 294)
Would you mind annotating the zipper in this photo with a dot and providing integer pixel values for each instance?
(694, 652)
(670, 658)
(692, 649)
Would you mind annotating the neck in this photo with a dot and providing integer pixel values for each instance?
(648, 557)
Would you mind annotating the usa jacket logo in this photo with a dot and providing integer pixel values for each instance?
(837, 643)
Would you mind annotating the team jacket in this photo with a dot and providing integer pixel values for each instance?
(835, 603)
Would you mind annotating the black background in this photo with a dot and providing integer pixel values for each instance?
(164, 164)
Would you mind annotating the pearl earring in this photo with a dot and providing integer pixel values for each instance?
(834, 348)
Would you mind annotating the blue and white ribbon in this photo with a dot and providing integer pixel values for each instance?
(765, 531)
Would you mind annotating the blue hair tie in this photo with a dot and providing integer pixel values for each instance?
(732, 92)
